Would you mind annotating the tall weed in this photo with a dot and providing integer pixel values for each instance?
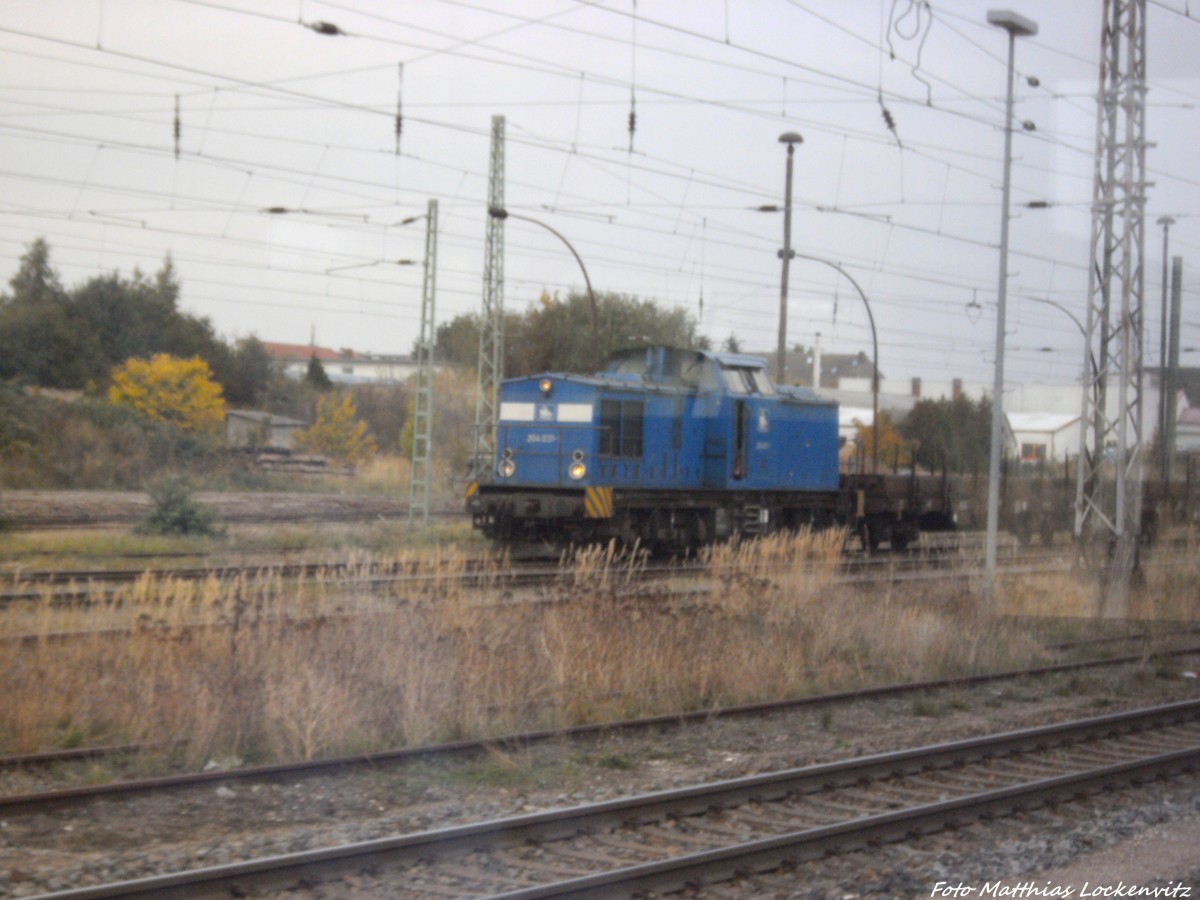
(266, 668)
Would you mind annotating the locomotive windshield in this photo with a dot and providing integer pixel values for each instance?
(668, 365)
(744, 380)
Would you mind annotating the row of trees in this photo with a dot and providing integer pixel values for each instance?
(56, 337)
(125, 339)
(128, 335)
(558, 335)
(937, 436)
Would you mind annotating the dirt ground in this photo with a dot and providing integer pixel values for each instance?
(33, 509)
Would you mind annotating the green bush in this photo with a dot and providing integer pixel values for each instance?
(89, 444)
(176, 511)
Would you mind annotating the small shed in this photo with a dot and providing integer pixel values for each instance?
(258, 430)
(1043, 437)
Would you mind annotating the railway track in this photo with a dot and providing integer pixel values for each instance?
(78, 585)
(60, 799)
(87, 521)
(93, 585)
(709, 833)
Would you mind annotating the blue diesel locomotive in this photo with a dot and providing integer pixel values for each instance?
(670, 448)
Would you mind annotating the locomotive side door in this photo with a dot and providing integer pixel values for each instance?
(741, 440)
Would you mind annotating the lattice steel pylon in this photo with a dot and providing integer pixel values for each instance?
(1108, 489)
(418, 499)
(491, 319)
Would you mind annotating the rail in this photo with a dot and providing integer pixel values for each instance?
(504, 856)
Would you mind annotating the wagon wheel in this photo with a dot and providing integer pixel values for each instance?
(868, 536)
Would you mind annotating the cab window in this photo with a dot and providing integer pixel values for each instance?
(736, 381)
(742, 380)
(762, 384)
(621, 427)
(700, 374)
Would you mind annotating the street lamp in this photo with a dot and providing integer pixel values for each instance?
(1164, 384)
(791, 139)
(1074, 318)
(1016, 26)
(874, 357)
(497, 212)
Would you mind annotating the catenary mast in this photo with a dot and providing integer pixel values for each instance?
(1108, 489)
(491, 319)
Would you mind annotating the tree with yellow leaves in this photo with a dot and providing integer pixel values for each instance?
(177, 391)
(338, 432)
(894, 451)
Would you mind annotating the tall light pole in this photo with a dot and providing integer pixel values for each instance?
(791, 139)
(498, 212)
(1164, 384)
(1016, 26)
(792, 254)
(874, 356)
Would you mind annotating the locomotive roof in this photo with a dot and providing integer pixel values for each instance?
(733, 360)
(737, 360)
(674, 369)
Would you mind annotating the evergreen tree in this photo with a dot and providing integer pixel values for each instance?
(43, 338)
(248, 374)
(315, 377)
(35, 283)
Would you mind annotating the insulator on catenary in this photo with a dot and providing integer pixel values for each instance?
(400, 109)
(890, 122)
(325, 28)
(178, 129)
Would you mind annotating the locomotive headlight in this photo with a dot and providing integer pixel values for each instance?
(507, 467)
(545, 384)
(578, 469)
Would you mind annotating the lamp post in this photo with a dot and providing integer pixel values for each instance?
(874, 357)
(1165, 383)
(790, 138)
(1016, 26)
(497, 212)
(1074, 318)
(792, 254)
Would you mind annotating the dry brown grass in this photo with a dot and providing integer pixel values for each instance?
(291, 670)
(1165, 592)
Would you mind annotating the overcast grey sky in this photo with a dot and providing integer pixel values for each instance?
(274, 114)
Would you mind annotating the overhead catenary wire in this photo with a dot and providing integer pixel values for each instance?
(647, 186)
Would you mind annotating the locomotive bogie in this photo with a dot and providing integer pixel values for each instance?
(666, 521)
